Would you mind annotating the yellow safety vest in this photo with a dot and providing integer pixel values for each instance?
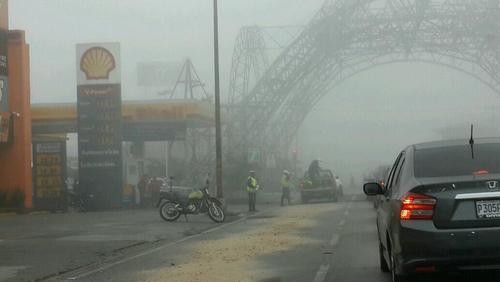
(285, 182)
(252, 184)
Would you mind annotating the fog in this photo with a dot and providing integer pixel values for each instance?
(370, 118)
(362, 123)
(148, 30)
(122, 177)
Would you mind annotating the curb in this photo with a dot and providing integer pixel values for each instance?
(38, 213)
(9, 214)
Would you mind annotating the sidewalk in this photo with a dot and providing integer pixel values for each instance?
(36, 246)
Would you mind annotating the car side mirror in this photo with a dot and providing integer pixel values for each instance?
(373, 189)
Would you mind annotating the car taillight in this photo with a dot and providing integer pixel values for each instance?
(417, 206)
(481, 172)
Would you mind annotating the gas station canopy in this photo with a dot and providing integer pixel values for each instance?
(153, 120)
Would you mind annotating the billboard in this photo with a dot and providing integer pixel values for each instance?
(158, 74)
(99, 123)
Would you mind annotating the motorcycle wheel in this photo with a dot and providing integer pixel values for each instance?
(169, 211)
(216, 213)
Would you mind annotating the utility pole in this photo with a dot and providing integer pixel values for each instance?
(218, 134)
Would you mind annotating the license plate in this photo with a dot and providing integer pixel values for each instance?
(488, 209)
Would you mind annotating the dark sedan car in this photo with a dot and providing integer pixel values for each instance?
(440, 209)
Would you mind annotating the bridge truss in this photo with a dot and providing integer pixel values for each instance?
(348, 37)
(254, 48)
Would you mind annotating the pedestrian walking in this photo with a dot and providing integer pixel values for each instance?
(285, 187)
(340, 188)
(206, 182)
(252, 188)
(141, 187)
(338, 182)
(153, 190)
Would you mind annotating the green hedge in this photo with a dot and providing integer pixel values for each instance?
(11, 199)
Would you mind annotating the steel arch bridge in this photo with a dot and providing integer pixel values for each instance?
(255, 46)
(249, 62)
(351, 36)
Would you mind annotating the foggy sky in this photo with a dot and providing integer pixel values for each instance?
(364, 122)
(148, 30)
(370, 118)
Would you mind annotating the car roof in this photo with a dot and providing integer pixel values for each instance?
(456, 142)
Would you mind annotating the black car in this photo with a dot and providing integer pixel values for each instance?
(440, 209)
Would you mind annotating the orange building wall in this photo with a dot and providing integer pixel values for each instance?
(15, 157)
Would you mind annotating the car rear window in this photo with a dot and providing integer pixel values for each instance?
(457, 160)
(325, 174)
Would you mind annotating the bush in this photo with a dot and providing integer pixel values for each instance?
(17, 199)
(12, 199)
(3, 199)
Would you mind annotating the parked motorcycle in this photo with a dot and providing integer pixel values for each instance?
(77, 201)
(172, 205)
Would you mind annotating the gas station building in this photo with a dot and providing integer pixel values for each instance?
(15, 132)
(33, 137)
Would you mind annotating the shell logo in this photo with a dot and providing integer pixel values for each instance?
(97, 63)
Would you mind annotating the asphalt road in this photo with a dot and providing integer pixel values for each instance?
(37, 246)
(315, 242)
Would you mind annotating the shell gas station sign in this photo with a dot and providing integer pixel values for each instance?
(99, 121)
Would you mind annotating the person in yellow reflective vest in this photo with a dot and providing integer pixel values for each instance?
(285, 187)
(252, 188)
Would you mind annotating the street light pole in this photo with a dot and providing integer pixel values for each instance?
(218, 134)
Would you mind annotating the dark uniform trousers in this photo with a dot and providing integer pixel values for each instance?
(252, 198)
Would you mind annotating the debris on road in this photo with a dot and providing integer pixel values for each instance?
(231, 258)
